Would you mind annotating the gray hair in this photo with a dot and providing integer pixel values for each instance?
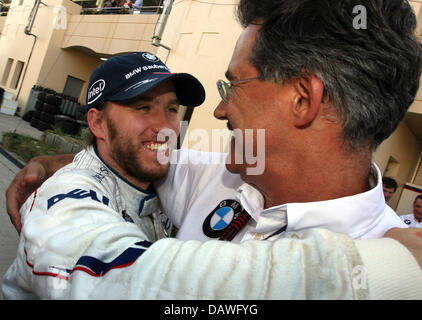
(370, 75)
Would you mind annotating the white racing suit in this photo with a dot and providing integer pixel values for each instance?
(87, 234)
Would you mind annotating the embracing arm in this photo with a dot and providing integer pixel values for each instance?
(318, 265)
(36, 171)
(78, 247)
(53, 163)
(82, 249)
(393, 268)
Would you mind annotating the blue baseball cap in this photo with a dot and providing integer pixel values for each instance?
(129, 76)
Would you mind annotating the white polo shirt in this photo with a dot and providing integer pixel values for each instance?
(410, 221)
(201, 199)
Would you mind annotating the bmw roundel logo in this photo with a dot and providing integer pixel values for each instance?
(149, 56)
(220, 218)
(407, 221)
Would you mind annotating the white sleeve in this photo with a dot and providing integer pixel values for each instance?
(391, 270)
(67, 227)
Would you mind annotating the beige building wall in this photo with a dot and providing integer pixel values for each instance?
(62, 63)
(111, 34)
(402, 151)
(2, 22)
(66, 44)
(40, 51)
(202, 36)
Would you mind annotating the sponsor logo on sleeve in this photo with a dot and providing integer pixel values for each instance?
(76, 194)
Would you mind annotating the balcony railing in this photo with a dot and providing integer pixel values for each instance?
(123, 10)
(4, 8)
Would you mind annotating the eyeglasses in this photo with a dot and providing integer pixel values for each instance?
(225, 88)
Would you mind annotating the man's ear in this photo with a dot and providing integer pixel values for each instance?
(96, 124)
(308, 99)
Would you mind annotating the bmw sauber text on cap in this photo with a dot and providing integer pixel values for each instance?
(127, 77)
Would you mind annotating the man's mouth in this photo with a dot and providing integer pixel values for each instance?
(156, 146)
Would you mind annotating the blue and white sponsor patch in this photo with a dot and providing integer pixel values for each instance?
(220, 218)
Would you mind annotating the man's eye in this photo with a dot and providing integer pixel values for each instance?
(143, 108)
(174, 109)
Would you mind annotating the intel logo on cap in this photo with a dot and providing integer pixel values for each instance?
(95, 91)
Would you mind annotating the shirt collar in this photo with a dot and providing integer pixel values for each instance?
(251, 200)
(352, 215)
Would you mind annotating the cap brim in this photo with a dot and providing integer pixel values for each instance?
(189, 90)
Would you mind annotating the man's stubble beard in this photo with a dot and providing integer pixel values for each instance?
(125, 153)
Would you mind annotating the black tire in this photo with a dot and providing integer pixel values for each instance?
(41, 96)
(49, 108)
(43, 125)
(47, 117)
(82, 108)
(82, 123)
(53, 99)
(80, 116)
(36, 114)
(39, 105)
(28, 116)
(34, 122)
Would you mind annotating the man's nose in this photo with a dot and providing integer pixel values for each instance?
(160, 121)
(221, 111)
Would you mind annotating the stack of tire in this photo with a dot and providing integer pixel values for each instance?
(47, 107)
(30, 105)
(1, 95)
(72, 117)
